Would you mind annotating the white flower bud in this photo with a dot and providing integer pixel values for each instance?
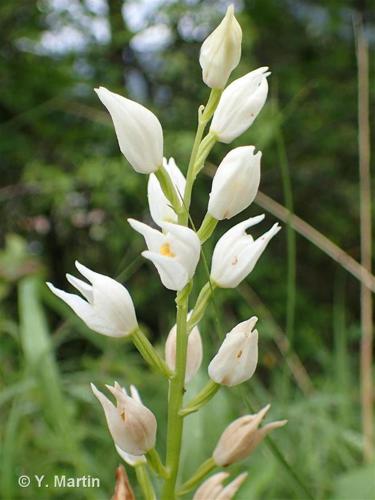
(108, 308)
(236, 253)
(237, 358)
(241, 438)
(174, 252)
(235, 183)
(221, 51)
(194, 352)
(160, 208)
(131, 424)
(132, 460)
(138, 131)
(213, 489)
(239, 105)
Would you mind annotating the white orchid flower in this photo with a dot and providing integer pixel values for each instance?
(131, 424)
(236, 253)
(108, 308)
(237, 357)
(138, 131)
(239, 105)
(175, 252)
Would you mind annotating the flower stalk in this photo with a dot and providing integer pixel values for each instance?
(208, 226)
(205, 114)
(149, 354)
(202, 471)
(201, 304)
(176, 394)
(168, 188)
(144, 482)
(203, 397)
(156, 464)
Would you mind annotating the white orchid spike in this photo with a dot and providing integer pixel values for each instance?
(131, 424)
(160, 208)
(108, 308)
(237, 358)
(236, 253)
(138, 131)
(175, 252)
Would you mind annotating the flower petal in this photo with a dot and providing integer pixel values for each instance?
(154, 238)
(171, 272)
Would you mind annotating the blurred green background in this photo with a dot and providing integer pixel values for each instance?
(66, 192)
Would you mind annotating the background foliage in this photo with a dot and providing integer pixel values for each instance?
(66, 193)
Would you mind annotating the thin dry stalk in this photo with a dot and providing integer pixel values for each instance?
(318, 239)
(363, 275)
(366, 238)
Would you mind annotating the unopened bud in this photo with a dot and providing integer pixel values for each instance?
(138, 131)
(239, 105)
(235, 183)
(221, 51)
(194, 352)
(241, 438)
(131, 424)
(132, 460)
(213, 488)
(237, 357)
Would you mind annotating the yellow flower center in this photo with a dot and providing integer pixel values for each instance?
(165, 249)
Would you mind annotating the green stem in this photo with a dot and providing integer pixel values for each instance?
(204, 116)
(198, 475)
(149, 354)
(176, 394)
(145, 482)
(204, 149)
(155, 462)
(207, 227)
(169, 189)
(200, 305)
(203, 397)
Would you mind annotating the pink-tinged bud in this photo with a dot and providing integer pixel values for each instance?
(213, 488)
(131, 424)
(108, 308)
(221, 51)
(194, 352)
(241, 438)
(237, 358)
(132, 460)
